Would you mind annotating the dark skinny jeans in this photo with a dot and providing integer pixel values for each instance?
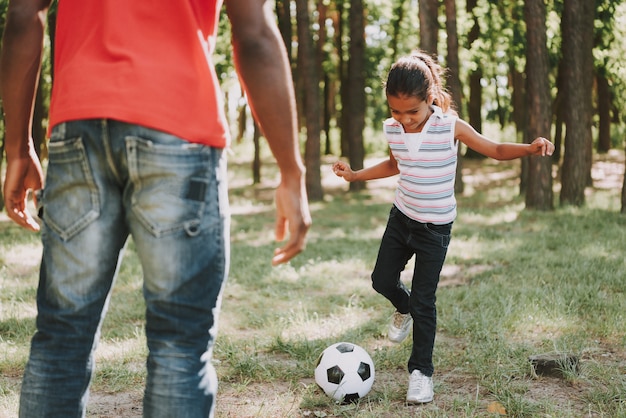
(402, 239)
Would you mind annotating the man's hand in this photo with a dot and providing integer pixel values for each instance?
(22, 175)
(292, 214)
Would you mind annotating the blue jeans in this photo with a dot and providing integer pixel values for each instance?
(107, 180)
(402, 239)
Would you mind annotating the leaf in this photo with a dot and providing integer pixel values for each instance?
(496, 408)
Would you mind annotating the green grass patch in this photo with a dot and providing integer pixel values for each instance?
(516, 283)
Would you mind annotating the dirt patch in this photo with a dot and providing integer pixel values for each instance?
(115, 405)
(282, 400)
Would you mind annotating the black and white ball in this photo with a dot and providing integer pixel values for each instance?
(345, 372)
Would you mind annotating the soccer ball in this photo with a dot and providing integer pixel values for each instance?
(345, 372)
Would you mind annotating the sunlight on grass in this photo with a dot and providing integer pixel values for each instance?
(114, 350)
(301, 323)
(13, 303)
(262, 400)
(598, 251)
(465, 248)
(366, 231)
(508, 214)
(248, 207)
(9, 402)
(350, 273)
(23, 256)
(539, 324)
(516, 282)
(12, 357)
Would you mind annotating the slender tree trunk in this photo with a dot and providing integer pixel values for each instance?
(2, 139)
(519, 82)
(577, 29)
(454, 80)
(256, 161)
(399, 16)
(310, 87)
(242, 117)
(343, 79)
(604, 113)
(624, 193)
(327, 114)
(539, 194)
(520, 117)
(355, 111)
(285, 26)
(474, 105)
(283, 14)
(320, 56)
(558, 111)
(429, 25)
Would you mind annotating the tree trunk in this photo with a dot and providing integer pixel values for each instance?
(2, 139)
(520, 105)
(558, 112)
(283, 20)
(429, 25)
(520, 117)
(355, 89)
(624, 194)
(242, 118)
(539, 194)
(256, 161)
(399, 16)
(474, 105)
(283, 16)
(310, 86)
(454, 80)
(343, 80)
(604, 113)
(328, 111)
(577, 29)
(320, 55)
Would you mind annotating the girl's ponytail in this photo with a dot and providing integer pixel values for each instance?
(441, 96)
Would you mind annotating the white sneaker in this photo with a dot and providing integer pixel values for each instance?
(420, 388)
(399, 327)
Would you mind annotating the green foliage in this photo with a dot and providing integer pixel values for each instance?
(392, 30)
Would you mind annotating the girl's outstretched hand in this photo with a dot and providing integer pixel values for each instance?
(342, 169)
(541, 146)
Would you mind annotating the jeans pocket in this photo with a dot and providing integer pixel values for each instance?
(69, 200)
(441, 232)
(173, 185)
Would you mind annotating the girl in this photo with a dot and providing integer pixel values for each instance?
(423, 135)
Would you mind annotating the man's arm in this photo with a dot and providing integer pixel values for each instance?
(20, 63)
(263, 67)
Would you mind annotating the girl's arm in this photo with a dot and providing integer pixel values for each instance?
(465, 133)
(386, 168)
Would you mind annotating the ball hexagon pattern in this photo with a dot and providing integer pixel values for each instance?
(345, 372)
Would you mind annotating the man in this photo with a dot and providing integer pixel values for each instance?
(136, 149)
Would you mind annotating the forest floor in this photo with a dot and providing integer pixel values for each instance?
(608, 172)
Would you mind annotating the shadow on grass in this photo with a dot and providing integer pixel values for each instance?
(516, 282)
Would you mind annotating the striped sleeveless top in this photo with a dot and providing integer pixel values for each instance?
(427, 163)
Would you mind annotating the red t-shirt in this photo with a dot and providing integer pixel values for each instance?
(142, 62)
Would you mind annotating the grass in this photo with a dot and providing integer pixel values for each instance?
(516, 283)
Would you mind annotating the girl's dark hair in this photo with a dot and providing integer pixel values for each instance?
(418, 75)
